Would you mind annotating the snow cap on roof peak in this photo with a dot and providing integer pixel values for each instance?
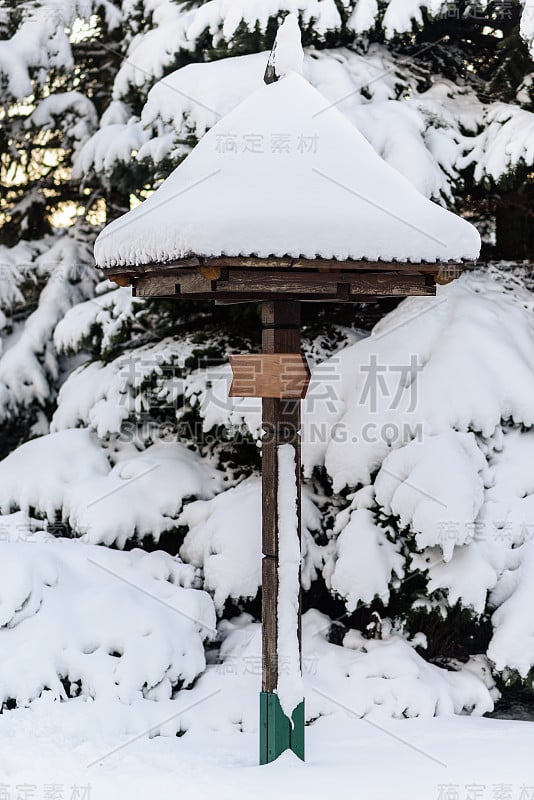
(287, 54)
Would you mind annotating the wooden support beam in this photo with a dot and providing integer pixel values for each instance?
(281, 425)
(253, 284)
(250, 263)
(363, 266)
(287, 263)
(155, 286)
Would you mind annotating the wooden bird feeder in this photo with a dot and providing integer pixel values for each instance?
(282, 202)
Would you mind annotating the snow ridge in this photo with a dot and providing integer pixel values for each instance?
(290, 689)
(287, 54)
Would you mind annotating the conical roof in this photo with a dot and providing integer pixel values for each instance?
(286, 174)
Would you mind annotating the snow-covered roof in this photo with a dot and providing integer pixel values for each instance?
(286, 174)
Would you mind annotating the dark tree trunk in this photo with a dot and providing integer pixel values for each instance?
(117, 204)
(515, 224)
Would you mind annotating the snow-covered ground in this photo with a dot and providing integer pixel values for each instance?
(75, 745)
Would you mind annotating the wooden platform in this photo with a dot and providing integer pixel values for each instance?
(253, 279)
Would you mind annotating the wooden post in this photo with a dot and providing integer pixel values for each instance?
(281, 425)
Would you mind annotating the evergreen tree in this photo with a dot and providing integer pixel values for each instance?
(101, 99)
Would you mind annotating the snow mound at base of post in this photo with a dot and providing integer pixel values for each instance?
(78, 619)
(373, 678)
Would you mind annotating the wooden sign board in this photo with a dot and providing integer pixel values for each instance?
(284, 376)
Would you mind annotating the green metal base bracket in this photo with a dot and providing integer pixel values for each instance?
(276, 732)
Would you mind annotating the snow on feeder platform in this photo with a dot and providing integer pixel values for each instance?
(284, 201)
